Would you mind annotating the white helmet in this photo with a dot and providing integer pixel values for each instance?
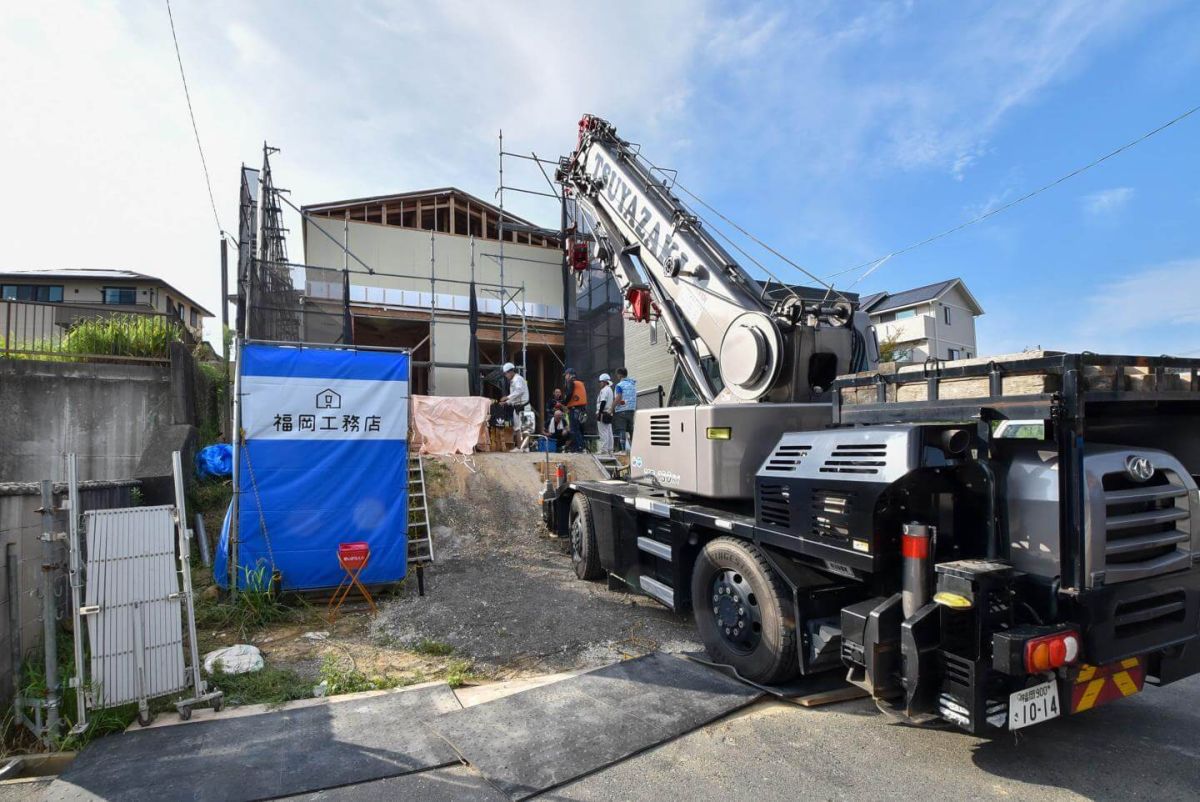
(604, 377)
(509, 366)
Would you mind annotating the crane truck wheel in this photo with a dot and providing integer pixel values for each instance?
(740, 605)
(584, 554)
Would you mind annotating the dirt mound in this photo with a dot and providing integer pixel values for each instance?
(503, 592)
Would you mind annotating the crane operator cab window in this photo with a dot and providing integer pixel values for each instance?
(683, 394)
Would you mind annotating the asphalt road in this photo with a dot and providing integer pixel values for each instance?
(1144, 747)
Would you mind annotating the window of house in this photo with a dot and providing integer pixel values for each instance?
(946, 314)
(903, 355)
(195, 319)
(32, 292)
(120, 296)
(903, 313)
(954, 353)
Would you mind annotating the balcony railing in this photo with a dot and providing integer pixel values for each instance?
(82, 332)
(910, 329)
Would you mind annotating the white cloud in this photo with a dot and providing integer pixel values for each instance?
(251, 47)
(98, 155)
(1107, 201)
(373, 97)
(1151, 311)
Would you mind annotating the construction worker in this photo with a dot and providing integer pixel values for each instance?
(557, 400)
(626, 396)
(576, 395)
(604, 414)
(518, 393)
(558, 428)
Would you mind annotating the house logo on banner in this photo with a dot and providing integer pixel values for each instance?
(328, 399)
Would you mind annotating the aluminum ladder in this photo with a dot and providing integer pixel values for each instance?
(420, 536)
(610, 465)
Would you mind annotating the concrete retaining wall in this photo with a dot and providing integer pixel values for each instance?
(21, 545)
(121, 420)
(105, 414)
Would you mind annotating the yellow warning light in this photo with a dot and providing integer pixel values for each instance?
(952, 600)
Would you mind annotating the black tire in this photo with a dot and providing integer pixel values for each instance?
(752, 628)
(584, 554)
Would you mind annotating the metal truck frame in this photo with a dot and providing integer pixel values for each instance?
(993, 543)
(816, 581)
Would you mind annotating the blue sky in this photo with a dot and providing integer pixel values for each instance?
(838, 132)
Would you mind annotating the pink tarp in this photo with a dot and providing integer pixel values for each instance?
(450, 425)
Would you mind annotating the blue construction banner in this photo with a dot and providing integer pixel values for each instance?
(325, 462)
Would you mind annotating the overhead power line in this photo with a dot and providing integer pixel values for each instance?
(877, 262)
(203, 162)
(751, 237)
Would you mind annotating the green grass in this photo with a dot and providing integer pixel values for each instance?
(124, 335)
(256, 606)
(213, 385)
(269, 686)
(432, 648)
(342, 679)
(210, 498)
(458, 673)
(33, 686)
(143, 336)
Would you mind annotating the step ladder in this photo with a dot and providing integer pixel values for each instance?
(610, 465)
(420, 535)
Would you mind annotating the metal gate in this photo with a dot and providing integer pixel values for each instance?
(135, 624)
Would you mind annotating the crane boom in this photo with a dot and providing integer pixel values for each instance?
(776, 349)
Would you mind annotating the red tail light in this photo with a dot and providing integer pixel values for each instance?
(1051, 651)
(560, 473)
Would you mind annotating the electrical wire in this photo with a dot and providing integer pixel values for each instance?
(675, 184)
(188, 96)
(1027, 196)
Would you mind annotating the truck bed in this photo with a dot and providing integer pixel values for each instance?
(1034, 385)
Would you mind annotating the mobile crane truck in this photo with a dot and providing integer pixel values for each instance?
(993, 543)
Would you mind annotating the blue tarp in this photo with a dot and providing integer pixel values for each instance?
(325, 462)
(215, 461)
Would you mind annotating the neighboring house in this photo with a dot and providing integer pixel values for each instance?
(425, 248)
(101, 291)
(937, 320)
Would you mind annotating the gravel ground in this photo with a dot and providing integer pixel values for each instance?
(503, 592)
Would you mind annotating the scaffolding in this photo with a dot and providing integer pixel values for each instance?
(281, 300)
(593, 324)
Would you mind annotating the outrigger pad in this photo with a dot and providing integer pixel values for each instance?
(266, 755)
(541, 738)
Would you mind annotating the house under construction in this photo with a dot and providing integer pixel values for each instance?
(423, 254)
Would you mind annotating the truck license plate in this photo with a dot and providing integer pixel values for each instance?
(1033, 705)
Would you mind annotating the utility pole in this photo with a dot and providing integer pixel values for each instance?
(228, 410)
(432, 300)
(347, 323)
(500, 231)
(49, 611)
